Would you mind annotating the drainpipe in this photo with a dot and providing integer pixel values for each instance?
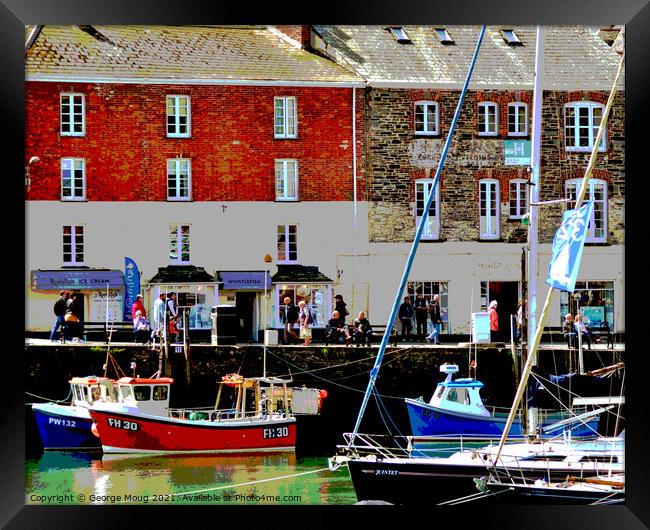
(354, 198)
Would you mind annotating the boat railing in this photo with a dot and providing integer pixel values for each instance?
(209, 413)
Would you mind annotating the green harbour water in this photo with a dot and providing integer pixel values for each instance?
(71, 478)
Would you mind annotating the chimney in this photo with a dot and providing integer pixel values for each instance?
(300, 34)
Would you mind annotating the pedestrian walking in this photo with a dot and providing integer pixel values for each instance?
(406, 317)
(436, 320)
(305, 320)
(290, 318)
(494, 321)
(421, 310)
(60, 307)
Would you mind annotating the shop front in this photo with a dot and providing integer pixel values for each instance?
(100, 295)
(196, 292)
(245, 290)
(302, 283)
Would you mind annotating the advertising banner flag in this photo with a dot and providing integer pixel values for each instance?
(132, 282)
(568, 244)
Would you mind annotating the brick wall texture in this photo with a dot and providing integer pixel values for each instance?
(397, 157)
(232, 148)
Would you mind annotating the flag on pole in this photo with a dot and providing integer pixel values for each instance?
(568, 244)
(132, 282)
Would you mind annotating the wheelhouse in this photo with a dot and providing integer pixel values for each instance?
(151, 396)
(87, 390)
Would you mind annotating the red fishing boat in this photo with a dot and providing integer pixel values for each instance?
(261, 418)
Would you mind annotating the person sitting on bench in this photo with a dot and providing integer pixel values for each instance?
(569, 331)
(337, 333)
(362, 330)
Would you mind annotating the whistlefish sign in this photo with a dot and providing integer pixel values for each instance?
(245, 280)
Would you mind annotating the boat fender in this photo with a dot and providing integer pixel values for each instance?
(93, 429)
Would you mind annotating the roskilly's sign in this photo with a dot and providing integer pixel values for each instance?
(75, 279)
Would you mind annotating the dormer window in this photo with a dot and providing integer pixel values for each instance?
(510, 37)
(399, 34)
(444, 36)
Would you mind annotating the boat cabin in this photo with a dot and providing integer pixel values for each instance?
(88, 390)
(253, 397)
(460, 395)
(150, 396)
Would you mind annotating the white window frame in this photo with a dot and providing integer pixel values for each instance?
(510, 36)
(518, 196)
(284, 181)
(488, 228)
(484, 110)
(71, 96)
(285, 231)
(591, 129)
(176, 114)
(76, 245)
(174, 173)
(284, 116)
(399, 34)
(572, 187)
(431, 229)
(176, 241)
(443, 35)
(73, 162)
(426, 105)
(517, 122)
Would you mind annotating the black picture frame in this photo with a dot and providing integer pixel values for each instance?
(635, 14)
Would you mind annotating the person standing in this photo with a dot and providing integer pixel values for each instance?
(60, 307)
(340, 306)
(72, 318)
(519, 321)
(494, 321)
(138, 306)
(290, 319)
(421, 310)
(158, 318)
(172, 307)
(406, 316)
(305, 320)
(436, 319)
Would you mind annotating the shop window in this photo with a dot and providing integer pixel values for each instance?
(315, 297)
(517, 119)
(285, 117)
(73, 121)
(179, 179)
(179, 244)
(488, 119)
(286, 180)
(73, 179)
(597, 228)
(426, 118)
(422, 190)
(178, 116)
(73, 245)
(518, 198)
(489, 208)
(427, 290)
(594, 300)
(287, 243)
(581, 122)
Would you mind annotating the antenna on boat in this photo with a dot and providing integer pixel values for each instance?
(416, 241)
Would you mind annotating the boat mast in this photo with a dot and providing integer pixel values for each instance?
(409, 262)
(533, 228)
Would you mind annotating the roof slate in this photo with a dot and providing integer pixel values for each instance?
(177, 53)
(576, 57)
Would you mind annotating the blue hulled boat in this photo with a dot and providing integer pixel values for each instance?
(456, 408)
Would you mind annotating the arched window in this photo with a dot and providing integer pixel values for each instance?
(422, 190)
(489, 208)
(488, 119)
(597, 228)
(581, 122)
(426, 118)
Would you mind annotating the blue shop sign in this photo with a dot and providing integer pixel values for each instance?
(245, 280)
(74, 279)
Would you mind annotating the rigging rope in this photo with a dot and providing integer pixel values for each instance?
(51, 400)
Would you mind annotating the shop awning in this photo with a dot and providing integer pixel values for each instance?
(299, 274)
(80, 279)
(181, 274)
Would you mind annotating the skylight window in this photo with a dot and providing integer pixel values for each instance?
(444, 36)
(510, 37)
(399, 34)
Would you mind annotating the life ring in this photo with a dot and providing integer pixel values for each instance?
(93, 429)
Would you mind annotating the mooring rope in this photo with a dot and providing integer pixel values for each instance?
(252, 482)
(48, 399)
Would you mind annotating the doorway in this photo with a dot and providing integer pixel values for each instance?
(507, 296)
(245, 302)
